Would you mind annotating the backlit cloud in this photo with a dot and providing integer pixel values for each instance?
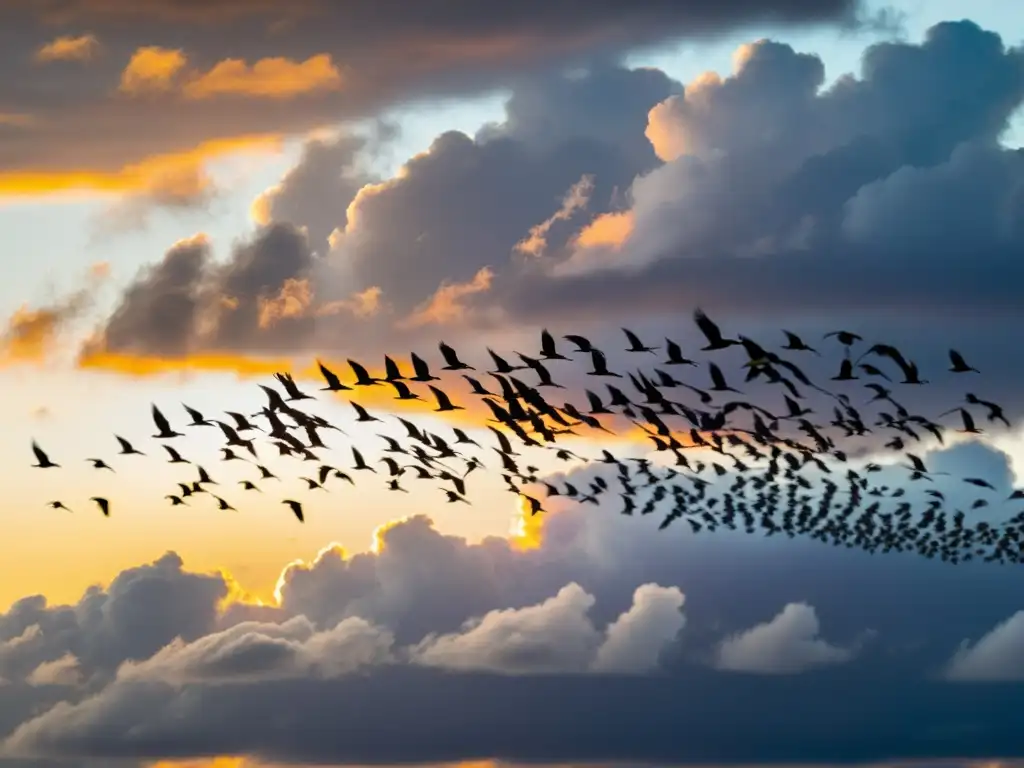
(69, 48)
(272, 78)
(331, 62)
(487, 630)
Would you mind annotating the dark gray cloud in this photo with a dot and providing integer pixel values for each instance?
(458, 208)
(389, 53)
(884, 192)
(316, 193)
(883, 204)
(827, 663)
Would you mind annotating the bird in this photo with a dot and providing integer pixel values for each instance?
(600, 364)
(583, 344)
(534, 504)
(635, 345)
(127, 449)
(548, 349)
(443, 401)
(102, 503)
(163, 426)
(291, 388)
(404, 393)
(57, 505)
(296, 508)
(846, 338)
(42, 460)
(331, 378)
(795, 344)
(711, 332)
(421, 371)
(391, 370)
(175, 457)
(363, 378)
(451, 359)
(718, 380)
(198, 420)
(959, 365)
(675, 354)
(454, 497)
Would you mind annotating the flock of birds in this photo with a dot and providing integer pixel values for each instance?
(778, 471)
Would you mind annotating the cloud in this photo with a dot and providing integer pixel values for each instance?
(557, 636)
(316, 193)
(62, 671)
(254, 651)
(786, 644)
(174, 180)
(423, 244)
(69, 48)
(999, 655)
(491, 635)
(378, 54)
(272, 78)
(32, 335)
(575, 200)
(636, 640)
(834, 211)
(152, 69)
(867, 171)
(446, 306)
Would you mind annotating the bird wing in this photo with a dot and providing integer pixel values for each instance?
(706, 326)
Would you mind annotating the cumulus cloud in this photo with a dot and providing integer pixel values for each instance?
(253, 651)
(62, 671)
(768, 163)
(488, 635)
(69, 48)
(636, 640)
(999, 655)
(558, 636)
(379, 55)
(427, 243)
(837, 206)
(317, 192)
(788, 643)
(152, 69)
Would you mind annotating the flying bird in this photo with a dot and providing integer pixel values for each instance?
(42, 460)
(163, 426)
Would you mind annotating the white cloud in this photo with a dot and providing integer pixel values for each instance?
(999, 655)
(787, 644)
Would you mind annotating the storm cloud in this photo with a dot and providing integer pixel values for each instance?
(718, 630)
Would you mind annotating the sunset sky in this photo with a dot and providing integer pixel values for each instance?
(193, 196)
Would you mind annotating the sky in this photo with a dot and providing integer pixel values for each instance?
(194, 196)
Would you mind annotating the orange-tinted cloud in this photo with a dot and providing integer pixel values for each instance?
(361, 304)
(152, 69)
(31, 333)
(171, 178)
(272, 78)
(294, 300)
(445, 307)
(69, 48)
(535, 243)
(608, 230)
